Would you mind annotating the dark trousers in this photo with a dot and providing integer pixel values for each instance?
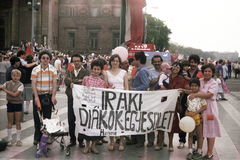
(140, 138)
(46, 113)
(182, 136)
(229, 74)
(236, 73)
(71, 122)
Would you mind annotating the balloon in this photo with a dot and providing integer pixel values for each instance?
(187, 124)
(3, 144)
(122, 52)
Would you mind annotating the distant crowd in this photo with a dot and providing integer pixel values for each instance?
(38, 77)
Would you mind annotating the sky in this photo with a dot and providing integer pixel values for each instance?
(209, 25)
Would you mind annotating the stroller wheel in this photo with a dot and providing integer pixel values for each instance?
(62, 146)
(62, 143)
(67, 151)
(47, 153)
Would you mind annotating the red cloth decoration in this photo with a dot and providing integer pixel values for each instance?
(70, 66)
(28, 51)
(134, 71)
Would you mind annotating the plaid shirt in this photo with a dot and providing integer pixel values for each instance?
(92, 81)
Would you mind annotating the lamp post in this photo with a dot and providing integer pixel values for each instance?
(32, 6)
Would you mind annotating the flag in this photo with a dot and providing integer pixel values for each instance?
(28, 51)
(70, 66)
(134, 71)
(132, 21)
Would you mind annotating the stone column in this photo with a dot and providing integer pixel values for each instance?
(15, 23)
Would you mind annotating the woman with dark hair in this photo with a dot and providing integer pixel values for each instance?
(118, 79)
(175, 82)
(208, 90)
(27, 92)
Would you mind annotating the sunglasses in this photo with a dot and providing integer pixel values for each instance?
(45, 58)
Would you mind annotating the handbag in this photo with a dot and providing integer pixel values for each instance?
(210, 117)
(45, 99)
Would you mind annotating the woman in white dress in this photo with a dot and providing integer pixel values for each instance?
(116, 78)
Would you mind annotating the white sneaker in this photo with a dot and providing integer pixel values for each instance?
(19, 143)
(180, 145)
(9, 143)
(193, 147)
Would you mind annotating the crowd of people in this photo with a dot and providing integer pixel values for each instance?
(39, 77)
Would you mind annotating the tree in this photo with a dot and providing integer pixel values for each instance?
(158, 32)
(189, 50)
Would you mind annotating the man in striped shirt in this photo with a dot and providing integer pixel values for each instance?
(44, 86)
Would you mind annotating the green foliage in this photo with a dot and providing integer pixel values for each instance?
(189, 50)
(158, 32)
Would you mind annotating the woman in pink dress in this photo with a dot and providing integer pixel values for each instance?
(208, 90)
(116, 78)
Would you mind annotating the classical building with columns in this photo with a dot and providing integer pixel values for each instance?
(75, 26)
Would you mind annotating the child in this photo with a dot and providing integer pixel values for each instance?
(13, 89)
(164, 78)
(220, 88)
(185, 65)
(93, 81)
(194, 110)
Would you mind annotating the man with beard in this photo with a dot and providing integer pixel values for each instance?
(154, 74)
(193, 72)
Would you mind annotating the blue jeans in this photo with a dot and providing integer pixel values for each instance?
(71, 122)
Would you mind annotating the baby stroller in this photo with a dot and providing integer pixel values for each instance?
(51, 128)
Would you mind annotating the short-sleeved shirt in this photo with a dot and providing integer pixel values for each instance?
(153, 76)
(91, 81)
(218, 68)
(57, 63)
(195, 104)
(44, 78)
(20, 88)
(22, 61)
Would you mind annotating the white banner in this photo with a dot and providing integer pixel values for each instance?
(112, 112)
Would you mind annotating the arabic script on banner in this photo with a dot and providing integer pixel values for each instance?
(111, 112)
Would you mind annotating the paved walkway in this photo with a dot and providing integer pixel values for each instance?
(226, 148)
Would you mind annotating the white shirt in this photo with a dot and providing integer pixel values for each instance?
(76, 72)
(56, 64)
(195, 104)
(20, 88)
(22, 61)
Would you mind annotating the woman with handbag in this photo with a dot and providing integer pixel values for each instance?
(208, 91)
(175, 82)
